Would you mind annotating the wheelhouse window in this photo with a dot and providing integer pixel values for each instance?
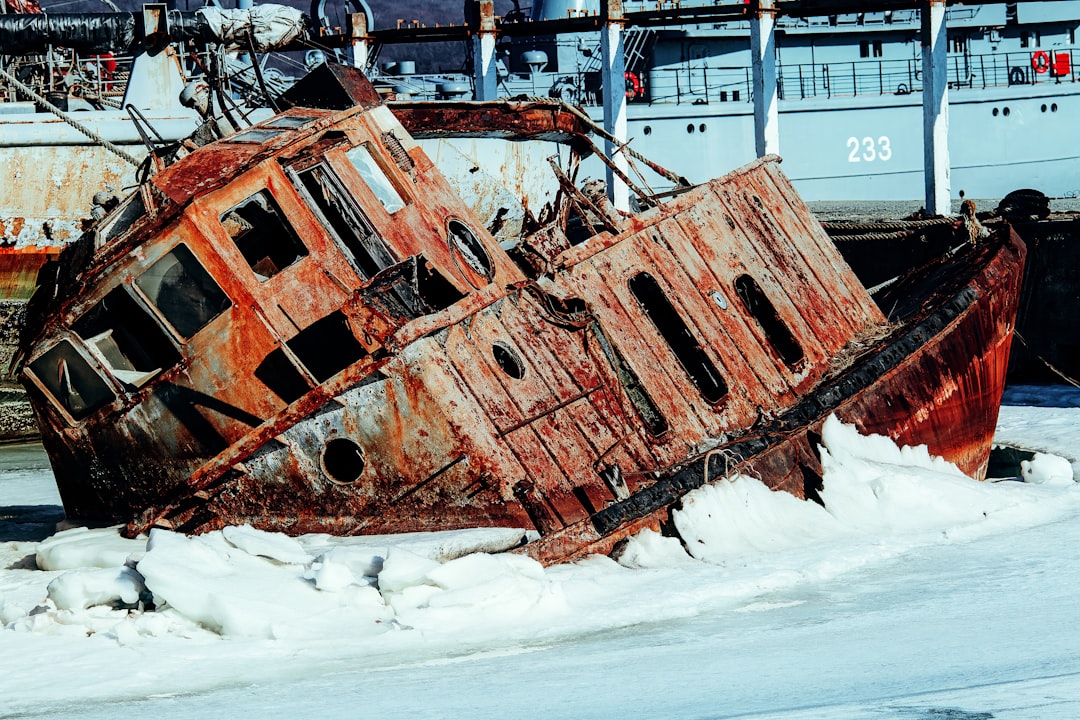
(183, 291)
(346, 222)
(373, 175)
(71, 380)
(710, 383)
(128, 341)
(265, 239)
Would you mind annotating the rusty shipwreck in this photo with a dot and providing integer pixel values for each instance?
(339, 320)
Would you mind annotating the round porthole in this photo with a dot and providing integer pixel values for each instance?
(508, 360)
(648, 130)
(467, 249)
(342, 460)
(690, 128)
(701, 127)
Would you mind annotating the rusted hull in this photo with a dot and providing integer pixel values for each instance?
(393, 367)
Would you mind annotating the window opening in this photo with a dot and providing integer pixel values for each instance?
(710, 383)
(327, 346)
(466, 247)
(343, 460)
(508, 360)
(183, 291)
(290, 121)
(129, 211)
(70, 379)
(266, 240)
(129, 341)
(363, 247)
(764, 312)
(376, 179)
(255, 135)
(654, 421)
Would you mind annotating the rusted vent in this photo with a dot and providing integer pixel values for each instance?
(508, 360)
(397, 151)
(343, 460)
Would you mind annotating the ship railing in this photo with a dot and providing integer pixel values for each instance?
(707, 85)
(99, 79)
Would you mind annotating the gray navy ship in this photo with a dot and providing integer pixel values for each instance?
(850, 102)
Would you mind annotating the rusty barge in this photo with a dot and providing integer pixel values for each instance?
(339, 320)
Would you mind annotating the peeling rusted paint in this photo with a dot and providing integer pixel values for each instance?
(377, 361)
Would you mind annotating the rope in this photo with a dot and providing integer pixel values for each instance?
(68, 119)
(1044, 361)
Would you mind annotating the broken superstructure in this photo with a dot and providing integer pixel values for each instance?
(316, 325)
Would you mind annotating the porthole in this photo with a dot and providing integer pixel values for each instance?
(1005, 112)
(648, 130)
(1043, 107)
(342, 460)
(1053, 107)
(994, 112)
(508, 360)
(690, 128)
(701, 127)
(467, 249)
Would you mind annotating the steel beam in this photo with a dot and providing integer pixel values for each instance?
(935, 108)
(485, 78)
(614, 92)
(763, 58)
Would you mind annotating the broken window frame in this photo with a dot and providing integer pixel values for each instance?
(72, 415)
(124, 345)
(376, 254)
(253, 237)
(376, 177)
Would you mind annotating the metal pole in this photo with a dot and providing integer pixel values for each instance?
(763, 58)
(614, 90)
(361, 43)
(485, 78)
(935, 108)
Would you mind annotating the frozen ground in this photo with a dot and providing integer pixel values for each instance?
(917, 594)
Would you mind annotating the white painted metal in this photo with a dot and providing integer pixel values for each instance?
(935, 108)
(614, 91)
(763, 61)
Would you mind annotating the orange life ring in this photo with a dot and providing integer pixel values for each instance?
(1040, 61)
(633, 85)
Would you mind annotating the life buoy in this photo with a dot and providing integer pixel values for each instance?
(633, 85)
(1040, 61)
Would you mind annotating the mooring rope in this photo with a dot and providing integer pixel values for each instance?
(68, 119)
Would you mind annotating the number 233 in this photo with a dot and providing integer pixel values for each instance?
(868, 149)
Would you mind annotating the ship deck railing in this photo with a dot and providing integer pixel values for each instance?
(699, 85)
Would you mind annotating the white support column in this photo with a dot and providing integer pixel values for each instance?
(763, 59)
(485, 78)
(358, 31)
(935, 108)
(614, 91)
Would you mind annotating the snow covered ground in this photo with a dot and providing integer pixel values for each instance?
(915, 594)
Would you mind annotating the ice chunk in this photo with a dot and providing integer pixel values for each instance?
(80, 589)
(1047, 469)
